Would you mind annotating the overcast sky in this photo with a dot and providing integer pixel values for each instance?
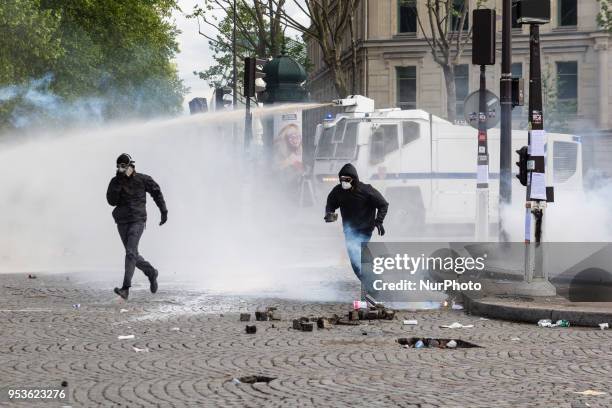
(195, 54)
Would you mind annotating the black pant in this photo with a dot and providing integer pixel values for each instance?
(130, 236)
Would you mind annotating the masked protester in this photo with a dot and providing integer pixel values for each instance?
(362, 208)
(127, 193)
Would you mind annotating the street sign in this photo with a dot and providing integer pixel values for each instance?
(471, 109)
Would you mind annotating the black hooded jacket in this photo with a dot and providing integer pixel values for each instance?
(358, 205)
(128, 195)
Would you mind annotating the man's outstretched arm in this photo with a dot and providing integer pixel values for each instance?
(152, 188)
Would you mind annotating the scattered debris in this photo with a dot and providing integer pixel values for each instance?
(604, 326)
(31, 276)
(140, 350)
(457, 306)
(251, 329)
(545, 323)
(76, 306)
(274, 315)
(261, 316)
(323, 323)
(410, 322)
(307, 326)
(252, 379)
(127, 337)
(175, 329)
(360, 304)
(64, 383)
(414, 342)
(483, 318)
(236, 381)
(549, 323)
(590, 393)
(516, 339)
(123, 311)
(245, 317)
(457, 325)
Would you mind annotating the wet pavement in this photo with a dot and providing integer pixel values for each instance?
(189, 346)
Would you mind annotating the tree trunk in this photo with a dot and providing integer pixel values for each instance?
(353, 55)
(451, 92)
(339, 81)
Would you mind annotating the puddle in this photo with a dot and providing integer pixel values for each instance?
(429, 342)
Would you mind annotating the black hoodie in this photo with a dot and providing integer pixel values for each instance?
(128, 195)
(357, 205)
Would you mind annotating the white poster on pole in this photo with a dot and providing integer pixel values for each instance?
(538, 186)
(538, 143)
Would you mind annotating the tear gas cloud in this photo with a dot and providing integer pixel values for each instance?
(230, 227)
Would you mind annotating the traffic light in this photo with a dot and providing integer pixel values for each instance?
(253, 69)
(522, 165)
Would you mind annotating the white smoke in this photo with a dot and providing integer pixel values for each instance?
(230, 227)
(35, 104)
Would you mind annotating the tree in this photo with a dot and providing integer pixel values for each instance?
(259, 33)
(447, 36)
(331, 21)
(604, 16)
(117, 51)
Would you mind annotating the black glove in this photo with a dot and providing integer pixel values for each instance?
(380, 228)
(164, 218)
(330, 217)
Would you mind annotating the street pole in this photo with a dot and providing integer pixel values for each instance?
(482, 182)
(535, 202)
(505, 145)
(234, 76)
(248, 125)
(234, 62)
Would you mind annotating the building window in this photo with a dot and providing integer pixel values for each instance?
(459, 7)
(406, 87)
(567, 86)
(568, 12)
(407, 14)
(462, 86)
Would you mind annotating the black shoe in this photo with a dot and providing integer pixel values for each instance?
(153, 281)
(124, 293)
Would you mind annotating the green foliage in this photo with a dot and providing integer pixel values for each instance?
(604, 17)
(119, 51)
(248, 43)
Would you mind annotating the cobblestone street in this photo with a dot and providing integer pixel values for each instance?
(197, 345)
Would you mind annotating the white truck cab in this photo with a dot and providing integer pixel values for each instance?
(424, 165)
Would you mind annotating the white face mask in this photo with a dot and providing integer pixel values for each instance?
(346, 185)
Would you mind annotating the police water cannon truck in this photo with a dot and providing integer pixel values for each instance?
(424, 165)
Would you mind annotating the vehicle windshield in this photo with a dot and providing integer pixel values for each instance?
(339, 141)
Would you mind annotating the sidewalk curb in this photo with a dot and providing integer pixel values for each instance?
(524, 314)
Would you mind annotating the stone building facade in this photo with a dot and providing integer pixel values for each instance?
(395, 66)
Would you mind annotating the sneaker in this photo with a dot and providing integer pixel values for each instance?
(153, 282)
(124, 293)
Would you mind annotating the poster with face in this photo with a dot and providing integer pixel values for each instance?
(287, 145)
